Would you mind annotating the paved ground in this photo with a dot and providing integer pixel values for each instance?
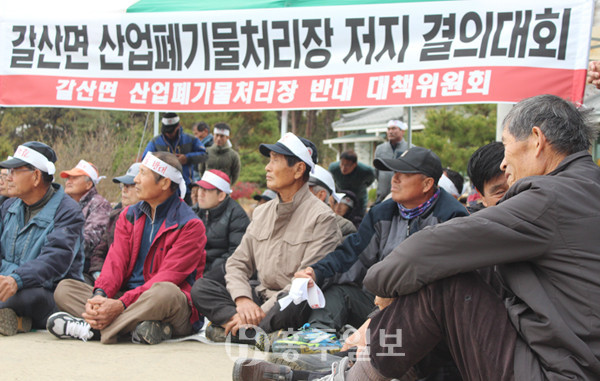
(41, 356)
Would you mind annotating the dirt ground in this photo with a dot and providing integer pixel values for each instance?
(41, 356)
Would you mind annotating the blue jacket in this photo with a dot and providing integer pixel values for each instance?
(379, 233)
(48, 248)
(185, 144)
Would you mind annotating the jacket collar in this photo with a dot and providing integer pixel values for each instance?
(88, 196)
(285, 208)
(46, 215)
(164, 210)
(568, 160)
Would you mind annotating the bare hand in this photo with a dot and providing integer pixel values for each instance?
(249, 312)
(233, 325)
(8, 287)
(358, 338)
(593, 74)
(101, 311)
(307, 273)
(182, 158)
(383, 302)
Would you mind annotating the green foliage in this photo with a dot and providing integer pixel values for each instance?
(454, 134)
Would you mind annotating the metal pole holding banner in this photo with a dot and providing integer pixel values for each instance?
(409, 131)
(502, 110)
(156, 123)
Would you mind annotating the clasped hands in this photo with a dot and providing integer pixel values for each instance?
(101, 311)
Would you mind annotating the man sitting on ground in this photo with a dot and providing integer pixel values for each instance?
(128, 197)
(144, 287)
(81, 186)
(284, 236)
(416, 202)
(541, 237)
(41, 239)
(224, 219)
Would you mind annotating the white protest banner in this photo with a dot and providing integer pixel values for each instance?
(314, 57)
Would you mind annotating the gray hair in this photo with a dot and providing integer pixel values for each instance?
(318, 188)
(567, 128)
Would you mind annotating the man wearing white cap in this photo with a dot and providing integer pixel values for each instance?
(144, 287)
(224, 219)
(81, 186)
(189, 150)
(221, 156)
(321, 184)
(41, 239)
(285, 234)
(391, 149)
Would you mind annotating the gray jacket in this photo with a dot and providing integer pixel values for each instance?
(544, 240)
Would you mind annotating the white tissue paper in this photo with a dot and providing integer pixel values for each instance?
(300, 292)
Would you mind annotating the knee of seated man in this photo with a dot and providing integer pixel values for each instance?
(61, 293)
(165, 292)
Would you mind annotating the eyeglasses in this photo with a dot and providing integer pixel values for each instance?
(12, 171)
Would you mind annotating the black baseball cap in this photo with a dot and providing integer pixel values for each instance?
(40, 147)
(413, 160)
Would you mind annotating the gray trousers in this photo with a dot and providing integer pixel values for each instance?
(164, 301)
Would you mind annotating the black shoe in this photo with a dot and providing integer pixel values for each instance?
(216, 333)
(252, 369)
(152, 332)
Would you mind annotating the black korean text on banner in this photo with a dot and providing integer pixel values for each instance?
(346, 57)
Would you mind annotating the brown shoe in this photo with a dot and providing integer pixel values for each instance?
(252, 369)
(10, 323)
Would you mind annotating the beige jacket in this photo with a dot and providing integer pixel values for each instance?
(281, 239)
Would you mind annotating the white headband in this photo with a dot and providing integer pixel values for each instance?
(33, 157)
(448, 185)
(398, 123)
(294, 144)
(170, 121)
(217, 181)
(158, 166)
(221, 131)
(90, 171)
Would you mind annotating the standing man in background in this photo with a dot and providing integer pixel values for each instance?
(189, 150)
(391, 149)
(351, 175)
(221, 156)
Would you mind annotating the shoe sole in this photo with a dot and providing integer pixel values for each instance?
(237, 373)
(8, 322)
(152, 333)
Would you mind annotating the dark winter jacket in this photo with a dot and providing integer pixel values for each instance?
(380, 232)
(543, 238)
(48, 248)
(225, 225)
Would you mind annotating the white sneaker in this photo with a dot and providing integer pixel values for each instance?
(65, 326)
(338, 371)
